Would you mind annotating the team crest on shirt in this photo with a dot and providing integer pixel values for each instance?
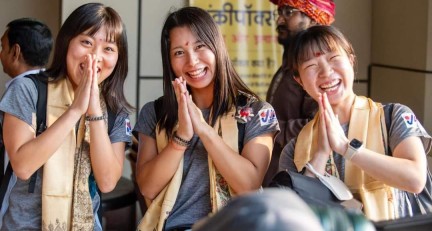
(409, 119)
(267, 116)
(128, 127)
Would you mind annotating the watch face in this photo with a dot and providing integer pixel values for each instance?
(355, 143)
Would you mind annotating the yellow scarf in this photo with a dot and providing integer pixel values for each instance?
(366, 123)
(66, 202)
(220, 193)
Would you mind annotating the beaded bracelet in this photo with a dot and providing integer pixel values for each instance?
(181, 141)
(177, 146)
(95, 118)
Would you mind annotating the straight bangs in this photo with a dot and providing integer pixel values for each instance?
(314, 47)
(315, 41)
(112, 24)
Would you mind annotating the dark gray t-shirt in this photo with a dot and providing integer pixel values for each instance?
(193, 200)
(403, 125)
(25, 209)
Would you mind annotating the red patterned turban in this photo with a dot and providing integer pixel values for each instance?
(322, 11)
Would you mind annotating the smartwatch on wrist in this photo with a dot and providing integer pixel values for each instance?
(353, 147)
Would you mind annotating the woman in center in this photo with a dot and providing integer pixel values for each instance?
(213, 136)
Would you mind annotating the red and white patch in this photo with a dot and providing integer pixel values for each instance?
(128, 127)
(267, 116)
(409, 119)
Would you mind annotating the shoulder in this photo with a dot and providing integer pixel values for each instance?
(404, 123)
(146, 122)
(21, 89)
(401, 113)
(265, 112)
(261, 105)
(23, 83)
(148, 108)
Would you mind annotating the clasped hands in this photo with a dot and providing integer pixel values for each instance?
(331, 136)
(190, 118)
(86, 100)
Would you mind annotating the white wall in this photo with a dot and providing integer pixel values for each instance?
(354, 19)
(154, 13)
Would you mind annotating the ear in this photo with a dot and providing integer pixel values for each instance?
(352, 59)
(16, 51)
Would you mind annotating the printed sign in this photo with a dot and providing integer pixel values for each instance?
(249, 29)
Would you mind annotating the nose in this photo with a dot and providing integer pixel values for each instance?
(192, 59)
(98, 52)
(280, 19)
(326, 70)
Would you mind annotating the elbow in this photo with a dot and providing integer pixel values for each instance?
(417, 186)
(107, 186)
(22, 173)
(148, 194)
(250, 187)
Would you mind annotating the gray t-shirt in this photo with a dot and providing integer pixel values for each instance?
(403, 125)
(25, 209)
(193, 200)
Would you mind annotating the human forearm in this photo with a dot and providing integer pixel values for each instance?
(242, 172)
(402, 173)
(154, 172)
(28, 153)
(106, 158)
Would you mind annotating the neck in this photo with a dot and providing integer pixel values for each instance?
(343, 109)
(24, 69)
(202, 98)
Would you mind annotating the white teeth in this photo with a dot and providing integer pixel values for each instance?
(197, 73)
(331, 85)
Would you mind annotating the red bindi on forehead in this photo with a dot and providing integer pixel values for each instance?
(317, 54)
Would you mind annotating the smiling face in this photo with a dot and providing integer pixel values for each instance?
(192, 59)
(97, 44)
(330, 72)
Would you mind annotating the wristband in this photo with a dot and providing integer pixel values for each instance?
(180, 141)
(353, 147)
(178, 146)
(95, 118)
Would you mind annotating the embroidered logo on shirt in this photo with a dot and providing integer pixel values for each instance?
(128, 127)
(409, 119)
(267, 116)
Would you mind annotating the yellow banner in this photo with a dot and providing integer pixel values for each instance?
(249, 29)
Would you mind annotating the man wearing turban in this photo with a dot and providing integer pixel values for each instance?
(293, 106)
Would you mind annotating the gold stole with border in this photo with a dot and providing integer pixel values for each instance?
(66, 202)
(366, 123)
(220, 192)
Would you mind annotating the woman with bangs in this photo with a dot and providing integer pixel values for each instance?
(194, 155)
(84, 92)
(362, 142)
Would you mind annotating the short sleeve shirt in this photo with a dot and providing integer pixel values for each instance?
(24, 211)
(193, 200)
(404, 124)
